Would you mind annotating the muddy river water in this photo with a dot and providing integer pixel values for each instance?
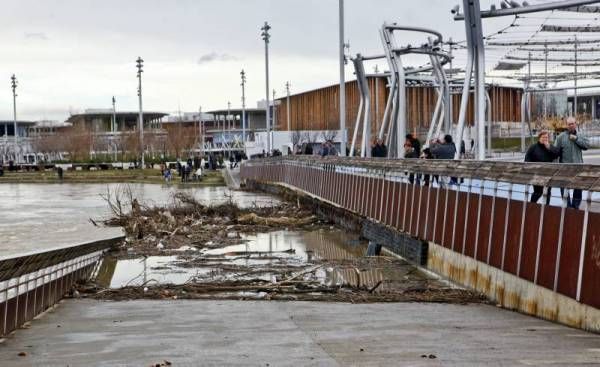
(39, 216)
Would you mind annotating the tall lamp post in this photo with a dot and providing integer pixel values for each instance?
(243, 84)
(139, 65)
(13, 84)
(266, 36)
(114, 119)
(342, 80)
(274, 114)
(200, 130)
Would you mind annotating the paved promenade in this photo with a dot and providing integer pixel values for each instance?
(193, 333)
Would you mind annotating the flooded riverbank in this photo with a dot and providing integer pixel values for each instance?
(283, 252)
(38, 216)
(320, 265)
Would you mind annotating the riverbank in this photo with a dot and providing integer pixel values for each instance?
(210, 178)
(189, 250)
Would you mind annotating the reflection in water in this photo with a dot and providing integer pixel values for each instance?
(329, 257)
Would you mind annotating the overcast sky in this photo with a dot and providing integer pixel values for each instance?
(69, 55)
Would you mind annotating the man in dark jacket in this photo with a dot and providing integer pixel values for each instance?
(443, 149)
(379, 150)
(541, 151)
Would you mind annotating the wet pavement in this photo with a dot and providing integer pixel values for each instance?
(216, 333)
(38, 216)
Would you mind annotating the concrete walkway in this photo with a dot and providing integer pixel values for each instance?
(216, 333)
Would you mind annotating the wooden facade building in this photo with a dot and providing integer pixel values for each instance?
(319, 109)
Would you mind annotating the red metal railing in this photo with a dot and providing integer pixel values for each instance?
(31, 283)
(486, 215)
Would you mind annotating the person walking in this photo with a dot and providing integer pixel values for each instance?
(410, 152)
(541, 151)
(571, 147)
(427, 155)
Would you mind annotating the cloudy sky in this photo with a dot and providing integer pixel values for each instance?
(70, 55)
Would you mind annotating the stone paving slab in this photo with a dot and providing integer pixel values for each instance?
(262, 333)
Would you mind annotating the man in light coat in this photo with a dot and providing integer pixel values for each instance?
(571, 145)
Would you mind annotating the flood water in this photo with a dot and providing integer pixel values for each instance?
(262, 250)
(39, 216)
(267, 257)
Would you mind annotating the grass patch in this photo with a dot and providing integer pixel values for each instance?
(509, 144)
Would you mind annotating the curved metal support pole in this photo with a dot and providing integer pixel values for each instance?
(462, 114)
(440, 97)
(488, 107)
(447, 102)
(386, 112)
(390, 105)
(434, 119)
(523, 113)
(363, 86)
(356, 127)
(438, 131)
(366, 136)
(395, 27)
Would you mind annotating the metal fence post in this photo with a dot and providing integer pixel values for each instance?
(540, 231)
(456, 198)
(522, 234)
(510, 187)
(565, 195)
(583, 245)
(489, 249)
(464, 242)
(427, 209)
(481, 188)
(412, 204)
(445, 212)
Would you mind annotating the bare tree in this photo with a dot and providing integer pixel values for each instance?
(297, 138)
(329, 134)
(77, 142)
(180, 139)
(312, 137)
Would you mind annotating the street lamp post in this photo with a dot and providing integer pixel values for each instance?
(114, 116)
(287, 109)
(139, 65)
(13, 83)
(274, 115)
(243, 84)
(266, 36)
(342, 80)
(200, 129)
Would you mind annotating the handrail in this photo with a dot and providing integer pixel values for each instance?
(33, 281)
(573, 176)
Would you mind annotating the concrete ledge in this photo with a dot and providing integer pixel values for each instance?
(410, 248)
(510, 291)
